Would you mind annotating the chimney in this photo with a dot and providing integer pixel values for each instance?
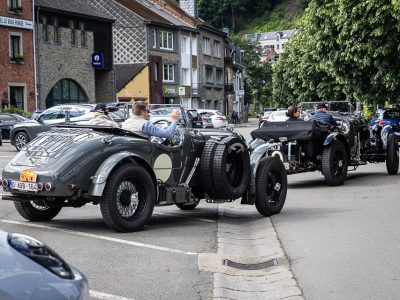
(189, 6)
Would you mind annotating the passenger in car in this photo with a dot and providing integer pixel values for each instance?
(139, 124)
(293, 112)
(101, 117)
(321, 115)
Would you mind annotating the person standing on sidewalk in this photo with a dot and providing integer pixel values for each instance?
(234, 117)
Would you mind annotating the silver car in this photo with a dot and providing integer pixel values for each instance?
(31, 270)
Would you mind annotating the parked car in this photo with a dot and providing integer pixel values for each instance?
(309, 146)
(218, 119)
(386, 116)
(127, 175)
(23, 132)
(32, 270)
(194, 118)
(7, 122)
(207, 120)
(264, 117)
(278, 116)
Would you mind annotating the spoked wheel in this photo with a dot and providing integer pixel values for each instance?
(20, 140)
(392, 155)
(36, 210)
(335, 163)
(271, 186)
(128, 200)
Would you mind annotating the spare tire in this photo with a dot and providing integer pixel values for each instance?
(231, 168)
(206, 168)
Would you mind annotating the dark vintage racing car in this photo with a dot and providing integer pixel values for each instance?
(128, 175)
(306, 146)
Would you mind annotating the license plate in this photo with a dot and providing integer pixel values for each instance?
(197, 123)
(24, 186)
(28, 175)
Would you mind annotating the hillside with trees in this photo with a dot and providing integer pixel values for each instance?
(344, 50)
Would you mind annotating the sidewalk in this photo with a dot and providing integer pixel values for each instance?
(251, 123)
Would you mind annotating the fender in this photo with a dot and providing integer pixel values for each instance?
(102, 173)
(330, 138)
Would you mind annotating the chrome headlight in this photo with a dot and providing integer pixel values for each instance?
(345, 127)
(40, 253)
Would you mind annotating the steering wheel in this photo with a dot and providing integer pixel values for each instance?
(162, 123)
(175, 140)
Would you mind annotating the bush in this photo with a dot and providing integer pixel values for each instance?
(14, 110)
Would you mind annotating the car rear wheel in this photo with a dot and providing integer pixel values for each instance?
(271, 186)
(392, 155)
(334, 163)
(36, 210)
(20, 140)
(128, 200)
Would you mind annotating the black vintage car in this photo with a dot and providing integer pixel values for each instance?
(128, 175)
(306, 146)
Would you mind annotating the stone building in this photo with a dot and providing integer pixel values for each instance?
(145, 34)
(209, 85)
(73, 53)
(17, 64)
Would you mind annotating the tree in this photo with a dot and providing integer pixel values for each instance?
(344, 50)
(258, 75)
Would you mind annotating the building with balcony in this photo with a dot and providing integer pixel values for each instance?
(17, 63)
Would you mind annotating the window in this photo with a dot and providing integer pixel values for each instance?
(66, 91)
(17, 96)
(153, 38)
(14, 5)
(166, 40)
(195, 87)
(83, 34)
(277, 46)
(217, 48)
(219, 76)
(194, 46)
(45, 29)
(206, 46)
(186, 77)
(56, 31)
(16, 47)
(209, 74)
(73, 36)
(185, 45)
(168, 72)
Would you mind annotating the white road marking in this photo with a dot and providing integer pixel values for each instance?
(103, 296)
(187, 217)
(100, 237)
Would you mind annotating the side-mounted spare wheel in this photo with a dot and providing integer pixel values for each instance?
(334, 163)
(392, 155)
(36, 210)
(225, 168)
(128, 199)
(271, 186)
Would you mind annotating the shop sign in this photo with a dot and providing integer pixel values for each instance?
(19, 23)
(169, 90)
(182, 91)
(97, 60)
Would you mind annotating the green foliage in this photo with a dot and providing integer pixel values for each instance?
(14, 110)
(344, 50)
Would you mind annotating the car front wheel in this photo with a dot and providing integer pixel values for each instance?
(20, 140)
(128, 199)
(392, 155)
(335, 163)
(271, 186)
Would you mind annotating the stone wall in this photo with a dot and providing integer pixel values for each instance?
(64, 61)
